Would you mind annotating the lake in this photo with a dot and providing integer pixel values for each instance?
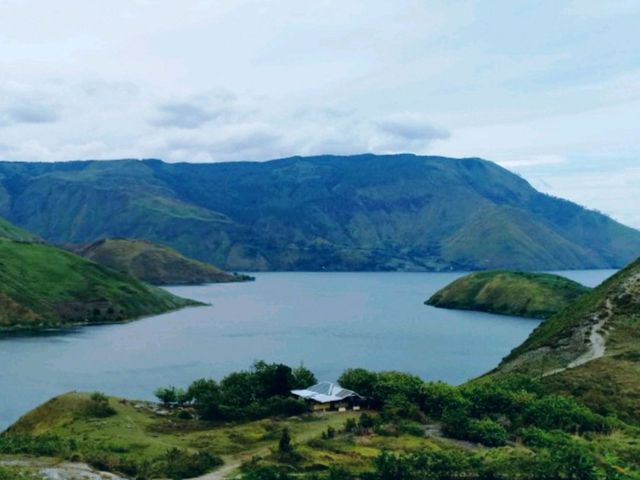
(328, 321)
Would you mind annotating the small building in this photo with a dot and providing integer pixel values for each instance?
(329, 396)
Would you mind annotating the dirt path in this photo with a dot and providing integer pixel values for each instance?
(223, 472)
(597, 342)
(596, 339)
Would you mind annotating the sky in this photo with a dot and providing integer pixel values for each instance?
(548, 89)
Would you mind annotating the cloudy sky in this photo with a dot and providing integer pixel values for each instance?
(549, 89)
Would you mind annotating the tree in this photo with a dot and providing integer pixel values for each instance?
(391, 384)
(182, 396)
(206, 397)
(303, 377)
(272, 379)
(360, 381)
(166, 395)
(238, 389)
(487, 432)
(284, 444)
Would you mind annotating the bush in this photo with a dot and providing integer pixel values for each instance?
(436, 397)
(560, 412)
(487, 432)
(266, 473)
(432, 465)
(398, 406)
(42, 445)
(538, 438)
(98, 406)
(181, 464)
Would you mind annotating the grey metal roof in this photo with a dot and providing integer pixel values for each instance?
(325, 392)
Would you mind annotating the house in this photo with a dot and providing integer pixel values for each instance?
(329, 396)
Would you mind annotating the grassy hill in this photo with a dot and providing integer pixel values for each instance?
(154, 264)
(523, 294)
(590, 349)
(11, 232)
(365, 212)
(44, 286)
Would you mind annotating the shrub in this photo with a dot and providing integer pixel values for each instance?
(42, 445)
(266, 473)
(98, 406)
(436, 397)
(399, 406)
(284, 444)
(560, 412)
(181, 464)
(487, 432)
(538, 438)
(366, 421)
(432, 465)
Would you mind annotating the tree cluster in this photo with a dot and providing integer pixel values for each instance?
(262, 391)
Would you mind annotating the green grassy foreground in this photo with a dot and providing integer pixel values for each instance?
(499, 429)
(523, 294)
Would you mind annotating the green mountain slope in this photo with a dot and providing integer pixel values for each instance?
(524, 294)
(366, 212)
(43, 286)
(591, 349)
(11, 232)
(155, 264)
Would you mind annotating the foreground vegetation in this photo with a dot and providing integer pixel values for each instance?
(506, 428)
(523, 294)
(154, 263)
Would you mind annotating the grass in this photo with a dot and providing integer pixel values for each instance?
(44, 286)
(137, 433)
(11, 232)
(155, 264)
(610, 384)
(536, 295)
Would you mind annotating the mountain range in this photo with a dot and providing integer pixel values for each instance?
(364, 212)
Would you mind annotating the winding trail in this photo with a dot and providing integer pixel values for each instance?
(597, 341)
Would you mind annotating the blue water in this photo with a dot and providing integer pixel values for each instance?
(328, 321)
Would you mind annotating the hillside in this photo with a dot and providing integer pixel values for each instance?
(523, 294)
(366, 212)
(11, 232)
(154, 264)
(592, 348)
(43, 286)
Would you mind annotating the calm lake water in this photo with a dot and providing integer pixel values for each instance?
(328, 321)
